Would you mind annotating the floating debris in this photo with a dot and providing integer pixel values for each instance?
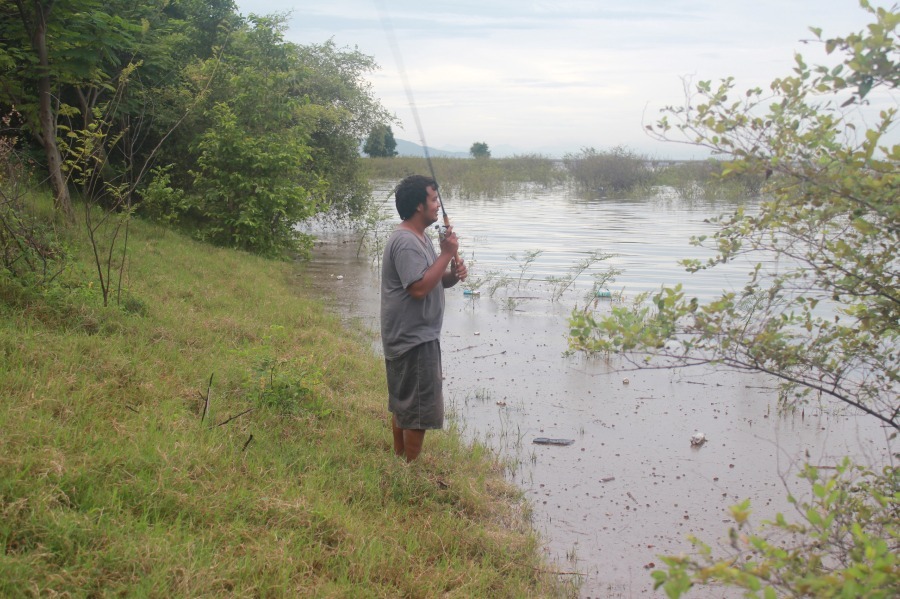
(471, 292)
(604, 293)
(547, 441)
(698, 439)
(625, 381)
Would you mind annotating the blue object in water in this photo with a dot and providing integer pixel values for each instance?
(470, 292)
(604, 293)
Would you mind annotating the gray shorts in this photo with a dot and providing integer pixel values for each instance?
(415, 389)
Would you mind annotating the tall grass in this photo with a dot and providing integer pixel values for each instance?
(616, 172)
(219, 433)
(704, 179)
(469, 177)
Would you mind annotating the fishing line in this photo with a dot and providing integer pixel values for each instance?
(398, 58)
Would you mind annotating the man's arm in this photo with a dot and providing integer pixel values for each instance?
(434, 275)
(437, 272)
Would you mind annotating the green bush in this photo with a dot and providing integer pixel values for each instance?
(618, 170)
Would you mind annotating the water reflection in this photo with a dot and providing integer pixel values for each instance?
(631, 487)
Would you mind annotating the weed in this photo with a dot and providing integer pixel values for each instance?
(523, 264)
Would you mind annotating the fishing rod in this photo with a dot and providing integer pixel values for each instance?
(398, 58)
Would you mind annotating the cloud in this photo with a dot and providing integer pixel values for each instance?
(561, 73)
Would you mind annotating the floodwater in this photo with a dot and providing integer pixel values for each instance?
(631, 487)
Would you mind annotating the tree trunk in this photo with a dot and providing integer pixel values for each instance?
(47, 133)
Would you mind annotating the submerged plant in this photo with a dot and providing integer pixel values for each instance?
(526, 261)
(559, 285)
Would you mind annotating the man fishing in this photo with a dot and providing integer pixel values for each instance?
(413, 278)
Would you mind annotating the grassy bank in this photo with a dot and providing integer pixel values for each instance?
(219, 433)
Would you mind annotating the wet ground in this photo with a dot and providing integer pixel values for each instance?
(631, 487)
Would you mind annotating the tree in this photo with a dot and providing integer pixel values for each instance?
(480, 149)
(58, 58)
(336, 81)
(64, 65)
(381, 142)
(277, 138)
(250, 194)
(822, 318)
(826, 324)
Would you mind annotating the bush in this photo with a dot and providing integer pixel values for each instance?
(619, 170)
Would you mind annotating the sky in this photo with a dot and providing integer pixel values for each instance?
(553, 77)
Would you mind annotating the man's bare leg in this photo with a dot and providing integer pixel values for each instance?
(407, 441)
(412, 443)
(398, 437)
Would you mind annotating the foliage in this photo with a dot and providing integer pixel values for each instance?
(527, 259)
(480, 149)
(160, 201)
(65, 62)
(336, 80)
(381, 142)
(618, 170)
(820, 308)
(703, 179)
(560, 284)
(251, 188)
(30, 250)
(844, 544)
(823, 317)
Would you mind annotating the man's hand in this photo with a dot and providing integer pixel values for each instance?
(449, 242)
(458, 269)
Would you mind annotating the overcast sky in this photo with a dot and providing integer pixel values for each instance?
(556, 76)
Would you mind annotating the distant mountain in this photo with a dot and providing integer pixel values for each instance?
(408, 148)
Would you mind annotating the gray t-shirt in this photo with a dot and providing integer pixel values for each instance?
(405, 321)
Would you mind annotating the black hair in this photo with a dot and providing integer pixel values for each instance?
(410, 192)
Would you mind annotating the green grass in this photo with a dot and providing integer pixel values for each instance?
(469, 177)
(110, 483)
(618, 175)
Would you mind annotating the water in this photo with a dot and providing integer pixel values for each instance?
(631, 487)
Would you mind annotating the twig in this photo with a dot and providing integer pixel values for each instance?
(247, 442)
(465, 348)
(489, 355)
(132, 408)
(206, 399)
(235, 417)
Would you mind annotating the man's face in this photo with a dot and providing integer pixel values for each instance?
(432, 206)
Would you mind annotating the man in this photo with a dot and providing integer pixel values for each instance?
(413, 278)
